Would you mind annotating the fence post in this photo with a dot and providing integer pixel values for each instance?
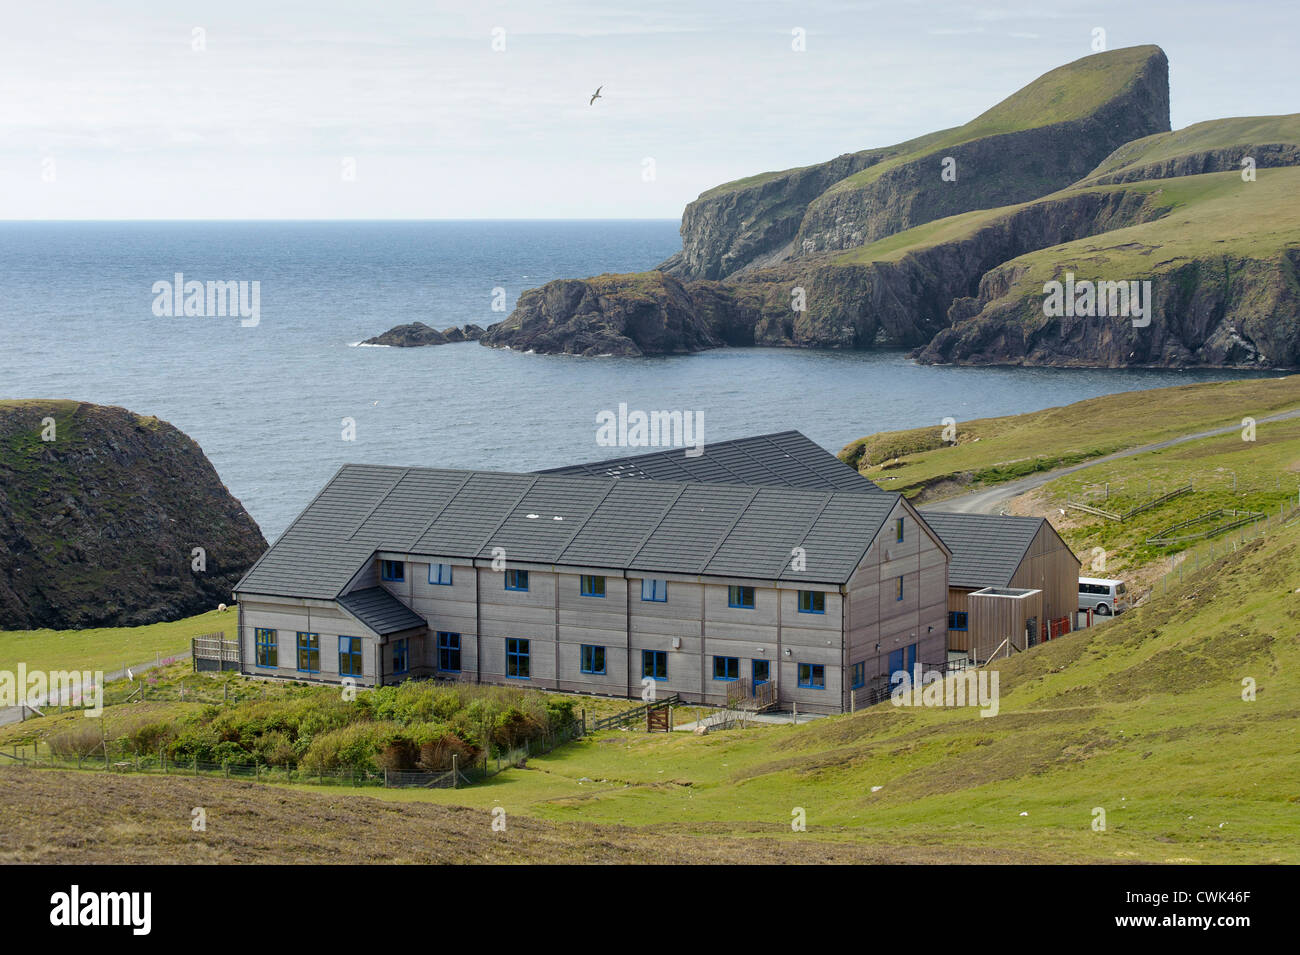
(196, 765)
(455, 770)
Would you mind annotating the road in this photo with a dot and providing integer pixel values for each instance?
(13, 714)
(989, 500)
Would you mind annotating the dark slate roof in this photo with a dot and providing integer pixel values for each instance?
(783, 459)
(986, 548)
(380, 611)
(638, 526)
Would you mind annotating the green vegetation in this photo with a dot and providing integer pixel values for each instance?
(989, 451)
(1225, 472)
(1069, 92)
(1214, 134)
(1143, 717)
(109, 648)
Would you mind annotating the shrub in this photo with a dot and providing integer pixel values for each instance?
(436, 755)
(79, 740)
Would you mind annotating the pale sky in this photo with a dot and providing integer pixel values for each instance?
(107, 110)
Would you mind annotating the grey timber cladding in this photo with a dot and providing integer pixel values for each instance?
(782, 459)
(380, 611)
(986, 548)
(643, 526)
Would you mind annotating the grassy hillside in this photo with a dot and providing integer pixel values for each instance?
(108, 648)
(1209, 136)
(993, 450)
(1067, 93)
(1143, 718)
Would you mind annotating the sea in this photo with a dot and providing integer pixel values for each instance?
(279, 403)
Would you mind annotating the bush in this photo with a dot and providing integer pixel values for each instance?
(80, 740)
(436, 755)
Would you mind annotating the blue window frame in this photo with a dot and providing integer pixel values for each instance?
(654, 664)
(741, 597)
(957, 620)
(592, 585)
(516, 580)
(898, 593)
(393, 570)
(449, 652)
(762, 670)
(726, 668)
(858, 676)
(902, 660)
(401, 656)
(812, 601)
(308, 652)
(898, 530)
(593, 659)
(268, 647)
(440, 574)
(812, 676)
(517, 659)
(654, 590)
(349, 656)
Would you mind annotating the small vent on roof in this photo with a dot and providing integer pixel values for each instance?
(557, 518)
(532, 517)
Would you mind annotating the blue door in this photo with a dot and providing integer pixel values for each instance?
(762, 672)
(903, 659)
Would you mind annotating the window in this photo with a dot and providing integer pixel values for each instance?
(726, 668)
(762, 670)
(898, 530)
(592, 585)
(593, 659)
(349, 656)
(268, 650)
(517, 659)
(812, 676)
(516, 580)
(957, 620)
(654, 664)
(401, 656)
(859, 676)
(655, 590)
(449, 652)
(898, 593)
(742, 597)
(393, 570)
(308, 652)
(440, 574)
(812, 601)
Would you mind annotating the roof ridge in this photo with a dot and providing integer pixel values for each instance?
(442, 510)
(510, 510)
(731, 527)
(645, 539)
(803, 535)
(370, 513)
(582, 526)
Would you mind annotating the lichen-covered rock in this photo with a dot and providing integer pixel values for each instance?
(100, 526)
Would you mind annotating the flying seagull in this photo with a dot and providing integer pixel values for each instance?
(596, 95)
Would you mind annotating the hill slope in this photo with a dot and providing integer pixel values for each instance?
(1039, 139)
(98, 525)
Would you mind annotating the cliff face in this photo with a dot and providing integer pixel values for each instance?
(98, 526)
(647, 313)
(1222, 312)
(1014, 152)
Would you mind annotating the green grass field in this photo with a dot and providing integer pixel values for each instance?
(990, 451)
(109, 648)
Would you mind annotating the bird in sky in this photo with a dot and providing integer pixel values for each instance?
(596, 95)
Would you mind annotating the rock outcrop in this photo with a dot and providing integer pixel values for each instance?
(101, 513)
(646, 313)
(418, 334)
